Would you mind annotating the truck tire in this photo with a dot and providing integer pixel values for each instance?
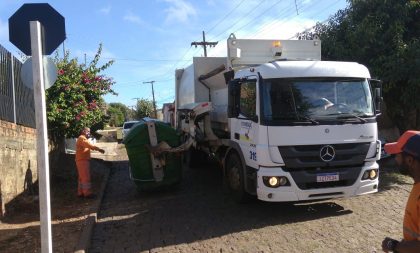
(235, 178)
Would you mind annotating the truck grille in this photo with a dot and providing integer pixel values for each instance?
(308, 156)
(304, 164)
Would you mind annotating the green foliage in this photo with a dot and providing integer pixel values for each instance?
(384, 36)
(75, 100)
(248, 100)
(118, 113)
(144, 108)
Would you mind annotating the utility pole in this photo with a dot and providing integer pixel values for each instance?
(153, 94)
(132, 107)
(204, 43)
(131, 116)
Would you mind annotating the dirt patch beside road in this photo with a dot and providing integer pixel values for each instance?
(20, 230)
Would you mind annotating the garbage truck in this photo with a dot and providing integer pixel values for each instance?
(283, 124)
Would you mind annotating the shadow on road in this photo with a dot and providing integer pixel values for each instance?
(197, 210)
(24, 208)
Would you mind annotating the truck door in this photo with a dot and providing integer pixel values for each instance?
(245, 125)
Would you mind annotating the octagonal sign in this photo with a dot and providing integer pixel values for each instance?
(51, 21)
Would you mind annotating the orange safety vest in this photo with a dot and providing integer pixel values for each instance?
(83, 147)
(411, 229)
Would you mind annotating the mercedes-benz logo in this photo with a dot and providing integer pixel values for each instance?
(327, 153)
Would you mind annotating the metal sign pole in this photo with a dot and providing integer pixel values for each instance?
(42, 138)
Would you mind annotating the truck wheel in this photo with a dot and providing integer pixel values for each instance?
(236, 179)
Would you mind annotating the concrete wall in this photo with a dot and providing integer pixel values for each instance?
(18, 164)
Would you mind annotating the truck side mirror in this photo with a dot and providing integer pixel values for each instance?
(376, 86)
(234, 92)
(229, 75)
(378, 101)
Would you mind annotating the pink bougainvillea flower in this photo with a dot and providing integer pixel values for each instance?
(92, 105)
(61, 72)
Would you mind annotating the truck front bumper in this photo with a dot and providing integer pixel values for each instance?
(294, 193)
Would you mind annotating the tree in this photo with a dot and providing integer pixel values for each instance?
(116, 116)
(384, 36)
(144, 108)
(75, 100)
(118, 113)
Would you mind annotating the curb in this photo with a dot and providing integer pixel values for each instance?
(85, 237)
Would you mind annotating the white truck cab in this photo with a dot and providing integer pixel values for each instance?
(307, 129)
(285, 125)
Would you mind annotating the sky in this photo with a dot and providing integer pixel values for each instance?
(149, 39)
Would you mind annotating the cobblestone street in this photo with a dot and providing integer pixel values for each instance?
(198, 216)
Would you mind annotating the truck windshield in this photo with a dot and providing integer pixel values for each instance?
(315, 99)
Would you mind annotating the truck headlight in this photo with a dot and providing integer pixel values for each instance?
(373, 174)
(274, 181)
(370, 174)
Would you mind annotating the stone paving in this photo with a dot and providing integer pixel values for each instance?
(198, 216)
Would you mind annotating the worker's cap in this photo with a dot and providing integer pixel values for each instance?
(408, 143)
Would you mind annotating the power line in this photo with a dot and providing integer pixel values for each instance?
(237, 21)
(265, 11)
(266, 27)
(185, 54)
(310, 28)
(168, 98)
(284, 14)
(222, 19)
(282, 22)
(288, 10)
(253, 19)
(240, 19)
(167, 73)
(230, 12)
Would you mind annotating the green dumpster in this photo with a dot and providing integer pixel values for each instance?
(145, 173)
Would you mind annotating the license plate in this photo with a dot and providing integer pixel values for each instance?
(327, 177)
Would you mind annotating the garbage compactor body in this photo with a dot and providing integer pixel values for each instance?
(149, 170)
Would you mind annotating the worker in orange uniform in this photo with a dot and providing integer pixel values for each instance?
(407, 156)
(83, 147)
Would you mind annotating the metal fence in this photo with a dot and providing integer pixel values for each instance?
(16, 100)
